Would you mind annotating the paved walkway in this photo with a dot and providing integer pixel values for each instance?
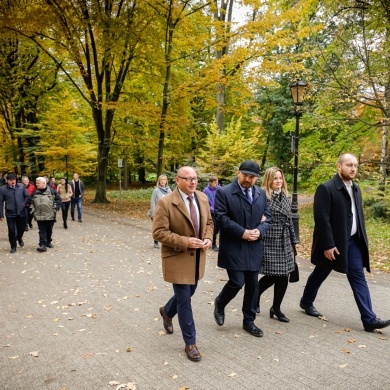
(85, 314)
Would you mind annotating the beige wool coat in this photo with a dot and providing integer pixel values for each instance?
(172, 227)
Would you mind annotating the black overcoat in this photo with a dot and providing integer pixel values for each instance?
(234, 214)
(333, 224)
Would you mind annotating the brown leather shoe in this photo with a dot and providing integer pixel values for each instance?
(192, 352)
(167, 321)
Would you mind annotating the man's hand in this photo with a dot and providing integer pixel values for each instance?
(195, 243)
(330, 253)
(206, 244)
(251, 235)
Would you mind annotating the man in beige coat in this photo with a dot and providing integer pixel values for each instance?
(183, 225)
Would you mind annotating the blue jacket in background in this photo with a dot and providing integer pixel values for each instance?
(210, 192)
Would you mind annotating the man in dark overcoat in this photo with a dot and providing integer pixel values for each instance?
(340, 241)
(14, 195)
(183, 225)
(239, 208)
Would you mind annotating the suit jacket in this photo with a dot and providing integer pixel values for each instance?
(172, 227)
(234, 214)
(333, 224)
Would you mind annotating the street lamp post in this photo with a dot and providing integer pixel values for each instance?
(297, 92)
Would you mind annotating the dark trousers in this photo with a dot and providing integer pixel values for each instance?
(237, 280)
(45, 232)
(216, 229)
(65, 210)
(280, 284)
(180, 304)
(29, 216)
(16, 226)
(356, 279)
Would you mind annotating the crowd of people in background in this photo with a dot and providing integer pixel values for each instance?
(22, 201)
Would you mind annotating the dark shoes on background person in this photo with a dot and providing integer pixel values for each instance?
(258, 309)
(26, 228)
(215, 248)
(219, 313)
(13, 250)
(21, 242)
(310, 310)
(278, 314)
(167, 321)
(30, 225)
(192, 352)
(252, 329)
(72, 219)
(79, 220)
(65, 225)
(41, 248)
(50, 245)
(156, 244)
(376, 324)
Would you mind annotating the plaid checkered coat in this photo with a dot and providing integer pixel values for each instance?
(278, 257)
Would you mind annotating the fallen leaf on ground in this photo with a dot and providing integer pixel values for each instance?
(34, 353)
(351, 341)
(346, 351)
(343, 365)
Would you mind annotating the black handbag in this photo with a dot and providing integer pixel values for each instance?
(294, 275)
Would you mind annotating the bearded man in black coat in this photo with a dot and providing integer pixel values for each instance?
(340, 241)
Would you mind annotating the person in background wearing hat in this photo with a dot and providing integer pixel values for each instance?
(14, 195)
(243, 217)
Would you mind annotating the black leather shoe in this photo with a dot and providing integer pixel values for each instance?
(280, 316)
(13, 250)
(219, 313)
(310, 310)
(50, 245)
(21, 242)
(167, 321)
(376, 324)
(215, 248)
(253, 330)
(41, 248)
(192, 352)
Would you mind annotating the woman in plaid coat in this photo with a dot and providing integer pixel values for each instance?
(279, 243)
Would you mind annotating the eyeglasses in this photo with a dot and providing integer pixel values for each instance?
(189, 179)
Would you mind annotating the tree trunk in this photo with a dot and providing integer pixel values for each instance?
(383, 163)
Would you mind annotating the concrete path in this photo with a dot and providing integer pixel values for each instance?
(85, 316)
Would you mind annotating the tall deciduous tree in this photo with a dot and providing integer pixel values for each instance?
(100, 40)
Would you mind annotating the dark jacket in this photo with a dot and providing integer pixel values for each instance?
(234, 214)
(15, 200)
(81, 185)
(333, 224)
(44, 204)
